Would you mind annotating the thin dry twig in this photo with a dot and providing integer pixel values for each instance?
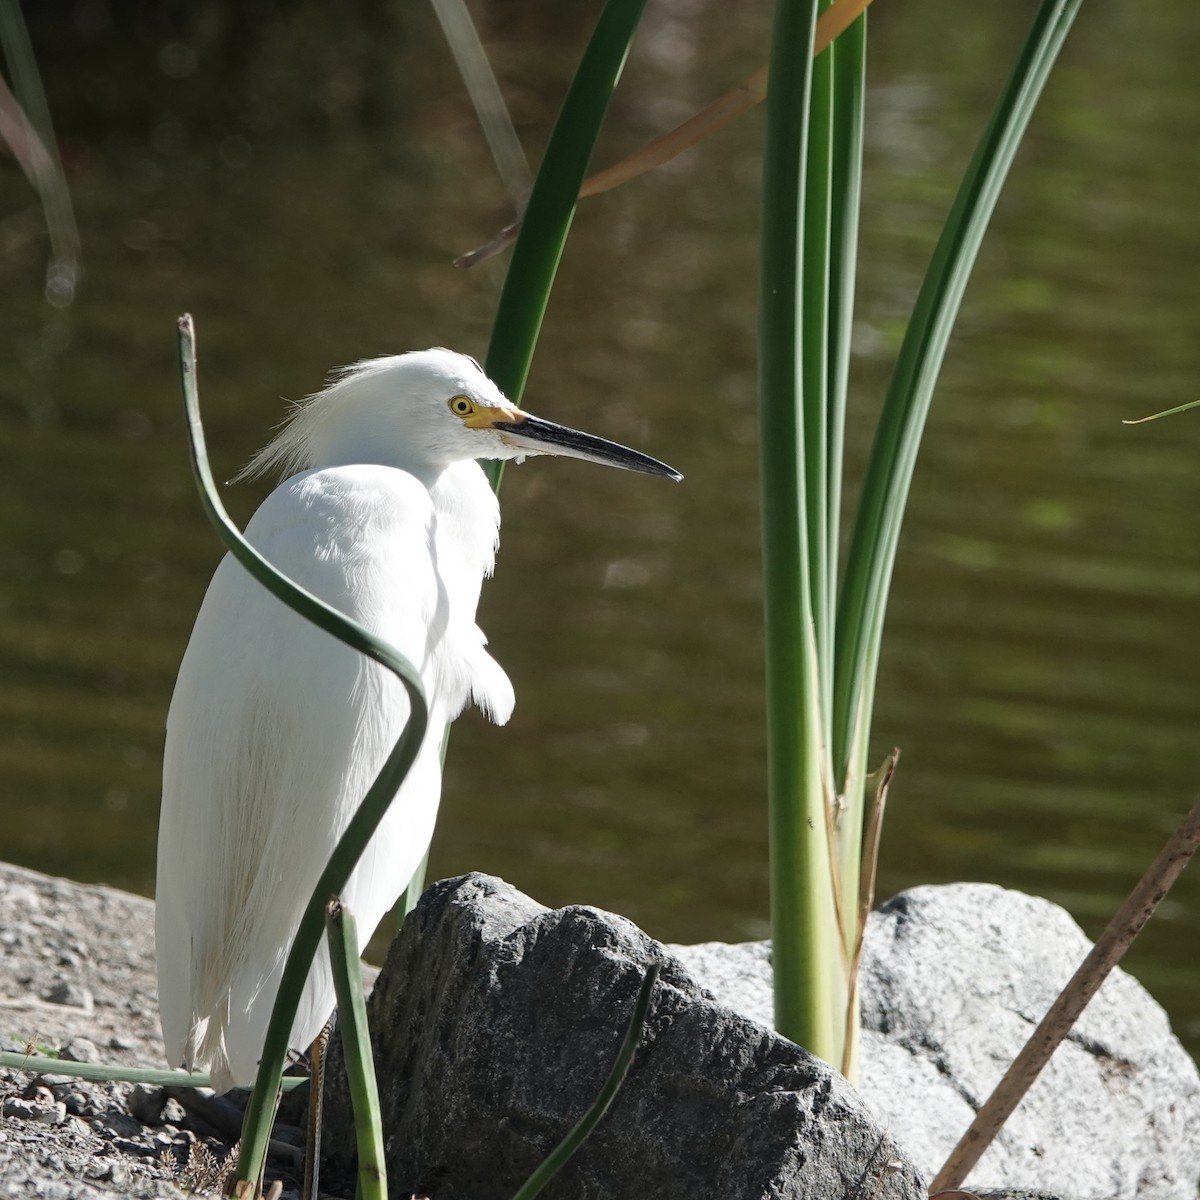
(836, 19)
(1131, 917)
(472, 62)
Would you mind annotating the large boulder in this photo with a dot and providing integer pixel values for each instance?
(954, 980)
(495, 1022)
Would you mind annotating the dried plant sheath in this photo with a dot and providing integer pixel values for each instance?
(872, 827)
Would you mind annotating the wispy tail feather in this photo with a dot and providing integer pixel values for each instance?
(205, 1050)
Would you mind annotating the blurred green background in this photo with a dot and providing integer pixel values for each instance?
(299, 176)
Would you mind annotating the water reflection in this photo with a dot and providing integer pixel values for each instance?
(301, 186)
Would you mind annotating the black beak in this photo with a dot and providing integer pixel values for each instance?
(545, 437)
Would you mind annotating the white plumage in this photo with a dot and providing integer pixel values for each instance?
(276, 730)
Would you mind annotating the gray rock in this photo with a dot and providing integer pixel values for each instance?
(69, 994)
(81, 1050)
(49, 1112)
(954, 980)
(74, 1100)
(495, 1022)
(738, 974)
(113, 1171)
(173, 1113)
(117, 1124)
(147, 1103)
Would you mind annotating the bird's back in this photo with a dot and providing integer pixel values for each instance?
(276, 731)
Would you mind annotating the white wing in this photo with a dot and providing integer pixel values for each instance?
(275, 732)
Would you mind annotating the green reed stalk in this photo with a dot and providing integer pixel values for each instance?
(551, 208)
(548, 216)
(261, 1110)
(547, 221)
(821, 667)
(356, 1046)
(795, 549)
(44, 1064)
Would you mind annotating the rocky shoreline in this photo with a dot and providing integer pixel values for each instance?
(952, 976)
(76, 978)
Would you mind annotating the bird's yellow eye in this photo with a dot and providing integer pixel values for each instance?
(461, 406)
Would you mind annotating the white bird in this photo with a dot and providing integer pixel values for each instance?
(276, 730)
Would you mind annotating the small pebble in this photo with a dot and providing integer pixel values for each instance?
(115, 1124)
(80, 1049)
(30, 1110)
(118, 1041)
(138, 1149)
(147, 1103)
(78, 1103)
(174, 1112)
(69, 993)
(111, 1170)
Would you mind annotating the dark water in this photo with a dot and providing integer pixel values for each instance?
(301, 182)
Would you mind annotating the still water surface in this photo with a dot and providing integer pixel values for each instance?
(301, 185)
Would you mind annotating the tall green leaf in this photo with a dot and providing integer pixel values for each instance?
(886, 485)
(551, 207)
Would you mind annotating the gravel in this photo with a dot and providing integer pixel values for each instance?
(77, 980)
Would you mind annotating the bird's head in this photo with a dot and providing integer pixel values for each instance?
(423, 411)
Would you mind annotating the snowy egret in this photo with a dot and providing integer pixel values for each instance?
(276, 730)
